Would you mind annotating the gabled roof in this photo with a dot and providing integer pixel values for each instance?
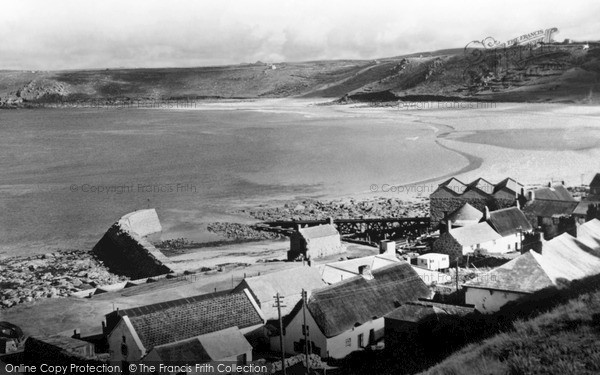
(544, 208)
(582, 208)
(453, 185)
(319, 231)
(524, 274)
(474, 234)
(509, 221)
(288, 283)
(209, 347)
(421, 310)
(483, 185)
(510, 184)
(172, 321)
(595, 181)
(465, 215)
(553, 193)
(342, 306)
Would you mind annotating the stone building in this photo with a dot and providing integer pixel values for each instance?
(452, 194)
(315, 242)
(551, 210)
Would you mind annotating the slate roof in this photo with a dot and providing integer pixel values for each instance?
(482, 185)
(421, 310)
(172, 321)
(510, 184)
(209, 347)
(319, 231)
(288, 283)
(582, 208)
(465, 215)
(554, 193)
(458, 187)
(595, 181)
(474, 234)
(524, 274)
(509, 221)
(544, 208)
(339, 307)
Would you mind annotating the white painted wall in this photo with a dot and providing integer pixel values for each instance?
(501, 246)
(135, 347)
(293, 333)
(338, 346)
(487, 301)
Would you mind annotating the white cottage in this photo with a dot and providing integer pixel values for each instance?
(348, 316)
(315, 242)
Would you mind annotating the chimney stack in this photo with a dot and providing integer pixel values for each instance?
(365, 272)
(448, 225)
(330, 220)
(387, 247)
(487, 213)
(531, 195)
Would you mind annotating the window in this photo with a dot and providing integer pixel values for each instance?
(305, 330)
(361, 340)
(348, 341)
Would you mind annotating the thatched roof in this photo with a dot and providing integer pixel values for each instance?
(553, 193)
(509, 221)
(352, 302)
(543, 208)
(421, 310)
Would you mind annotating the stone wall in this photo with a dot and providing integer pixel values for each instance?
(440, 206)
(125, 250)
(446, 244)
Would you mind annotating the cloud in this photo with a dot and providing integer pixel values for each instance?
(65, 34)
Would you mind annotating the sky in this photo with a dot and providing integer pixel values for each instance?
(77, 34)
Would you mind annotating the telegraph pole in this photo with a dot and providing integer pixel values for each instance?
(305, 331)
(457, 275)
(279, 306)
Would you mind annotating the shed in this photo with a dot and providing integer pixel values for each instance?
(434, 261)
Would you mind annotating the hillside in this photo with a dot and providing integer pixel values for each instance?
(554, 73)
(563, 340)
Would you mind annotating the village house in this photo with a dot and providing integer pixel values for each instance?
(589, 207)
(348, 316)
(133, 333)
(415, 328)
(452, 194)
(501, 232)
(563, 258)
(550, 209)
(58, 348)
(315, 242)
(227, 345)
(464, 216)
(289, 283)
(334, 272)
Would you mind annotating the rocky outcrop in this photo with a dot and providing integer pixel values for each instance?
(125, 249)
(51, 275)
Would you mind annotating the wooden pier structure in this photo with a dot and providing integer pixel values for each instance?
(370, 228)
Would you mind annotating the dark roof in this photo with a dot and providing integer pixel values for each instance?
(341, 306)
(205, 348)
(544, 208)
(319, 231)
(509, 220)
(62, 342)
(172, 321)
(595, 181)
(418, 311)
(483, 185)
(554, 193)
(510, 184)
